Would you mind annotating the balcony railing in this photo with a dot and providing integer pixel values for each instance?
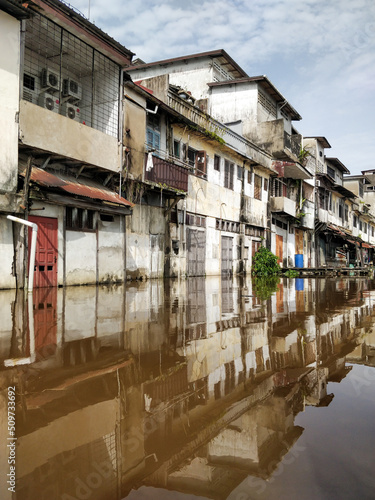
(166, 173)
(283, 205)
(293, 143)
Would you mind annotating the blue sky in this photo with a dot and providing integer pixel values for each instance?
(320, 54)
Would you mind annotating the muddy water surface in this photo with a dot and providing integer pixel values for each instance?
(204, 388)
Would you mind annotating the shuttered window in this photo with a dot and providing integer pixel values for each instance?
(257, 187)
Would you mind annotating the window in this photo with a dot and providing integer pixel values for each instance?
(191, 154)
(217, 163)
(365, 227)
(331, 172)
(257, 187)
(176, 148)
(228, 174)
(372, 231)
(249, 176)
(355, 221)
(279, 188)
(153, 132)
(360, 191)
(28, 81)
(200, 163)
(360, 225)
(239, 173)
(266, 184)
(80, 219)
(340, 209)
(346, 213)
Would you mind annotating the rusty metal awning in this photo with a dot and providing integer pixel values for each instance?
(80, 187)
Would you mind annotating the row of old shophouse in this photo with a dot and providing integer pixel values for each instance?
(182, 167)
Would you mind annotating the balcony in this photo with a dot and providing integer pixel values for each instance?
(283, 205)
(48, 131)
(166, 173)
(254, 212)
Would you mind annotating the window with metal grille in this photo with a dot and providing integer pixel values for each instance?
(360, 191)
(228, 174)
(279, 188)
(257, 187)
(70, 77)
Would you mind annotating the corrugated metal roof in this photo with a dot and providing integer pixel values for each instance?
(84, 187)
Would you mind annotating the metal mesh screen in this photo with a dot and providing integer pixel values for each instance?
(65, 75)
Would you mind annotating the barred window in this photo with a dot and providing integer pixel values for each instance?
(80, 219)
(65, 75)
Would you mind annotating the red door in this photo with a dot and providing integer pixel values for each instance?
(45, 273)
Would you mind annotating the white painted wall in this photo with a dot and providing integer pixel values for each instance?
(6, 253)
(9, 101)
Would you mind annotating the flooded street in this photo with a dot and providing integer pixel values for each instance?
(202, 388)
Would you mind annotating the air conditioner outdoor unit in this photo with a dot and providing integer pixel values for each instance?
(71, 111)
(48, 101)
(50, 79)
(72, 89)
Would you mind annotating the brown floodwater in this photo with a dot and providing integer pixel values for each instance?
(202, 388)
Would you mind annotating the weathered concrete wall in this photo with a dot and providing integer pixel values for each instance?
(7, 280)
(9, 101)
(235, 102)
(145, 242)
(81, 257)
(111, 250)
(134, 133)
(55, 133)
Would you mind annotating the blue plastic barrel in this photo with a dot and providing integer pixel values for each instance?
(298, 260)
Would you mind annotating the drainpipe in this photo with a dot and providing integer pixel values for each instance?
(33, 247)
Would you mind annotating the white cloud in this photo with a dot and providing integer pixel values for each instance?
(321, 55)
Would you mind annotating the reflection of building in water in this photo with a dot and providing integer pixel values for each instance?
(188, 385)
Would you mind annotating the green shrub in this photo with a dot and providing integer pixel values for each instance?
(265, 263)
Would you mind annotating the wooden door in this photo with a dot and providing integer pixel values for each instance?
(45, 270)
(226, 255)
(279, 248)
(196, 248)
(299, 241)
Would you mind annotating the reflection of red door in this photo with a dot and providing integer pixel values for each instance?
(279, 248)
(45, 323)
(46, 251)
